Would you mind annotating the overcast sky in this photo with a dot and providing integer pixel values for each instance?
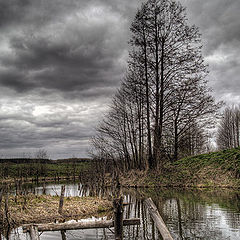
(62, 60)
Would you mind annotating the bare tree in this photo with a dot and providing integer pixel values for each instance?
(163, 99)
(41, 154)
(40, 165)
(229, 128)
(171, 52)
(191, 108)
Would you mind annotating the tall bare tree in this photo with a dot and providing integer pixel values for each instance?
(163, 99)
(171, 52)
(229, 128)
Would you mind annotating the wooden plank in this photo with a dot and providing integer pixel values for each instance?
(81, 225)
(162, 228)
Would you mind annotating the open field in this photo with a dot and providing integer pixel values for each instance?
(21, 168)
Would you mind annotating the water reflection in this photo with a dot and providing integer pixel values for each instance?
(188, 214)
(199, 214)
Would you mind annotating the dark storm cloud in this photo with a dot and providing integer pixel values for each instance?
(12, 11)
(34, 13)
(62, 60)
(51, 53)
(84, 49)
(16, 80)
(81, 45)
(63, 67)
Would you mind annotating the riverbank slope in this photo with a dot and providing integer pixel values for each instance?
(216, 169)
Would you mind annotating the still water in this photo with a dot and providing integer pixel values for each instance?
(192, 214)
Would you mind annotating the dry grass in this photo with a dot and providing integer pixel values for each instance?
(134, 177)
(44, 208)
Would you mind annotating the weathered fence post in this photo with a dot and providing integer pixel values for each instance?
(44, 188)
(61, 199)
(33, 230)
(63, 234)
(118, 218)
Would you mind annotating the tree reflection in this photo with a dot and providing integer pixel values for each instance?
(189, 214)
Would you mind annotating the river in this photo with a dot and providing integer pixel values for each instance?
(189, 214)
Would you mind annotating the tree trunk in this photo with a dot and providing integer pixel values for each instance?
(149, 137)
(175, 157)
(118, 218)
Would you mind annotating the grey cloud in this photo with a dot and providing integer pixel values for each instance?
(79, 57)
(61, 61)
(16, 79)
(219, 24)
(218, 21)
(58, 52)
(44, 130)
(12, 11)
(225, 79)
(34, 13)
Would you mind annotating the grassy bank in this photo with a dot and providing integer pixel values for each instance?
(217, 169)
(39, 209)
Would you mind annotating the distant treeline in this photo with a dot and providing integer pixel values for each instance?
(34, 160)
(35, 168)
(72, 160)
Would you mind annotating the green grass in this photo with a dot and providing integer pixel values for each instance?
(212, 169)
(228, 160)
(14, 170)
